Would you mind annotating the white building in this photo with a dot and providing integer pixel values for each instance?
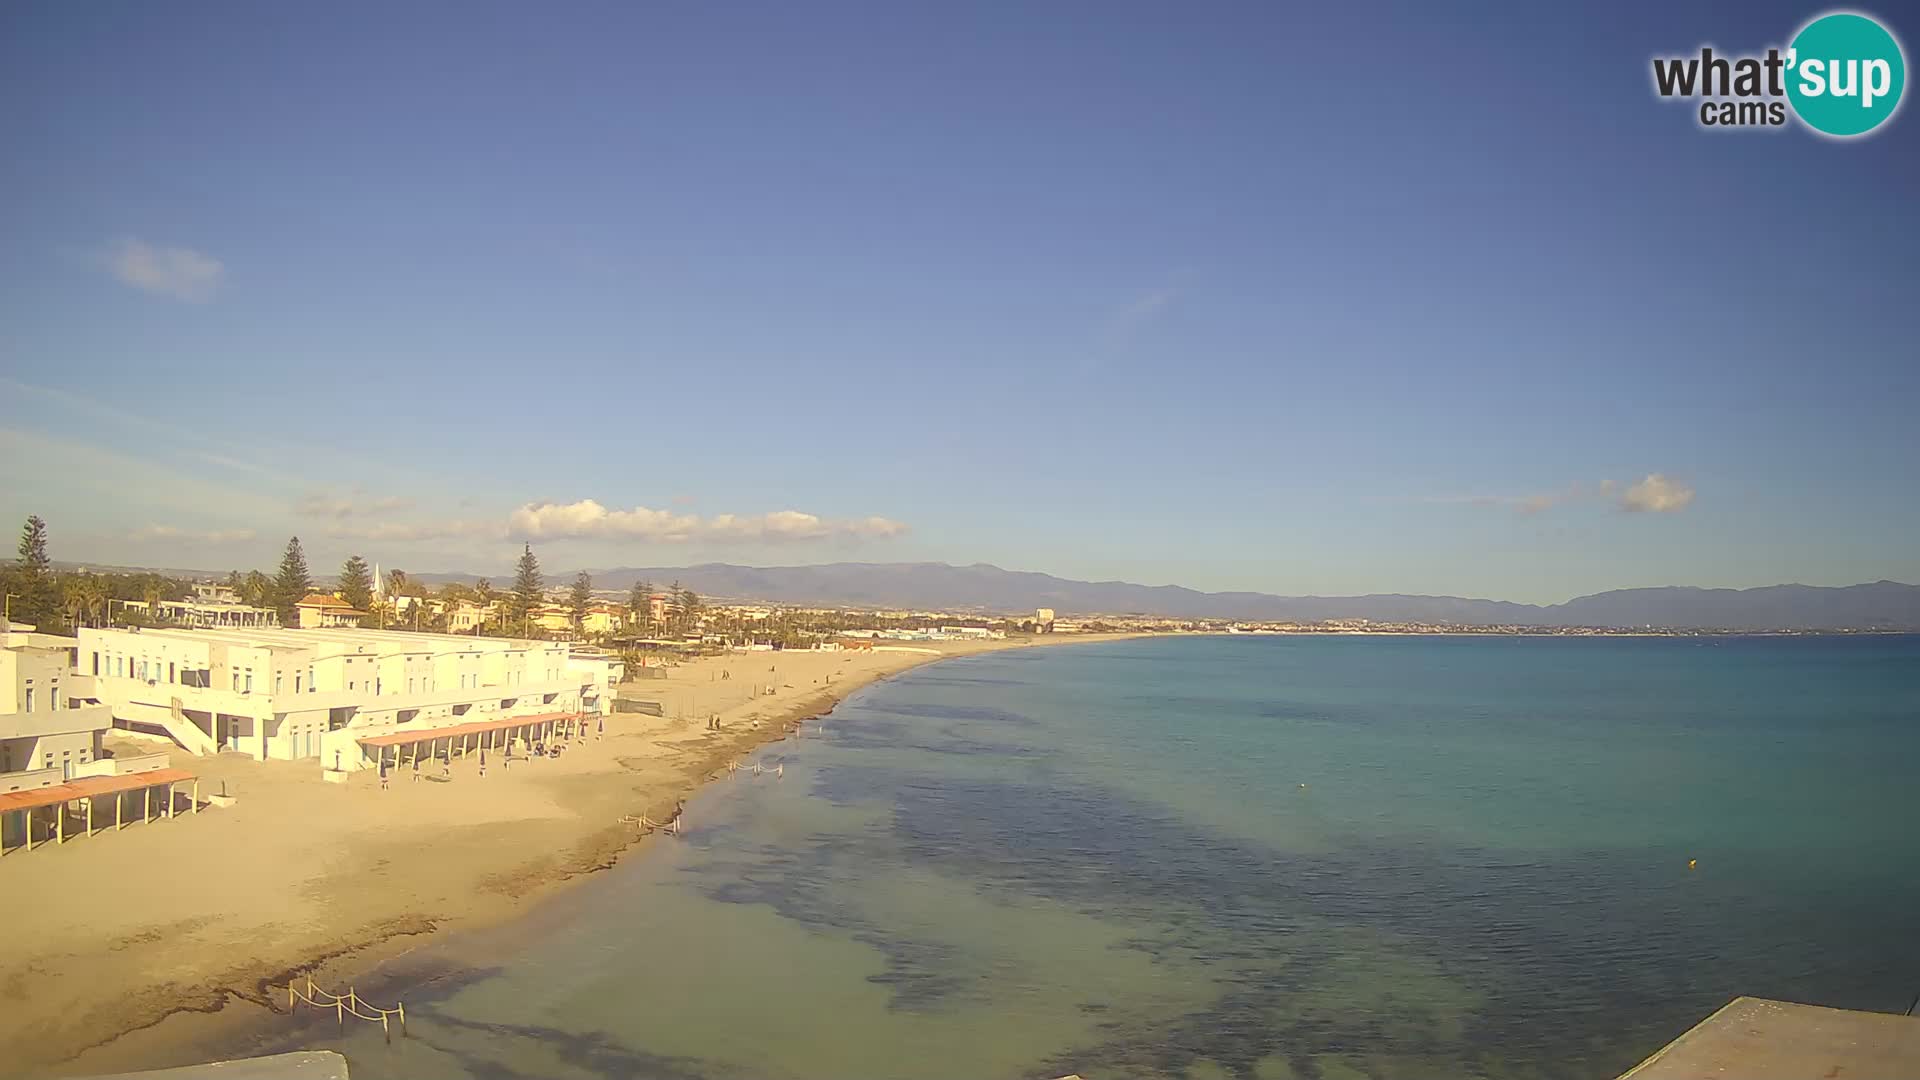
(317, 693)
(206, 613)
(321, 611)
(48, 727)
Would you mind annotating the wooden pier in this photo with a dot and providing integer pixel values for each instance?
(1758, 1039)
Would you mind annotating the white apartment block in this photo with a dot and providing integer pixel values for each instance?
(48, 729)
(277, 693)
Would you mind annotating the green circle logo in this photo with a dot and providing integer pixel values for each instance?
(1845, 73)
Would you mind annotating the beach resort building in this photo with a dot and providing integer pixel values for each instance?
(204, 613)
(48, 725)
(56, 782)
(320, 693)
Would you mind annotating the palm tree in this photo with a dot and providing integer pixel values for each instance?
(96, 595)
(73, 597)
(256, 589)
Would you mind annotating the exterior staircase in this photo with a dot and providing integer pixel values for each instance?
(187, 733)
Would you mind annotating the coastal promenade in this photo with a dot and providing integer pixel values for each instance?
(301, 875)
(1757, 1039)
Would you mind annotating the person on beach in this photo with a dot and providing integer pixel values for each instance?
(483, 764)
(383, 772)
(416, 768)
(446, 766)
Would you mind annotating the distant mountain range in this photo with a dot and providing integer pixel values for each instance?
(1883, 605)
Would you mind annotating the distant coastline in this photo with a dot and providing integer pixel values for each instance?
(990, 591)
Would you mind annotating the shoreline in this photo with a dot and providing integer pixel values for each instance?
(53, 1025)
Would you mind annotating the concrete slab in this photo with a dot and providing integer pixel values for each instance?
(1757, 1039)
(301, 1065)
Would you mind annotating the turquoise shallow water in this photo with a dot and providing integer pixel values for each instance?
(1235, 857)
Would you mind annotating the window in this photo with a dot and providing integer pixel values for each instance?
(236, 681)
(249, 682)
(29, 699)
(279, 678)
(296, 683)
(96, 662)
(170, 675)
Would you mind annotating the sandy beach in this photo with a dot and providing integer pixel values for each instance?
(130, 946)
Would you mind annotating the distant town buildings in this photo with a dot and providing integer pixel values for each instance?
(323, 611)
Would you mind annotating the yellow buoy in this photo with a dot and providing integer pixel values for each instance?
(1691, 863)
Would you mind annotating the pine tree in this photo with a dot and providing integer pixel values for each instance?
(292, 584)
(638, 600)
(356, 583)
(33, 577)
(527, 584)
(580, 597)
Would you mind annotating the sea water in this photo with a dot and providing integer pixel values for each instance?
(1246, 856)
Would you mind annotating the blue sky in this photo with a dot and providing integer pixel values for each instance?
(1343, 299)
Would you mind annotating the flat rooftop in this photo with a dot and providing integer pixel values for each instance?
(1757, 1039)
(341, 638)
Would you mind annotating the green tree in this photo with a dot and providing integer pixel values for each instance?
(675, 618)
(398, 585)
(646, 610)
(37, 595)
(638, 603)
(291, 584)
(356, 583)
(579, 598)
(527, 584)
(256, 590)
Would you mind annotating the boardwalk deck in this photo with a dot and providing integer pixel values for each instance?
(1758, 1039)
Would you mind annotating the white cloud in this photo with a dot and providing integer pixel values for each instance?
(1656, 495)
(182, 273)
(588, 518)
(216, 536)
